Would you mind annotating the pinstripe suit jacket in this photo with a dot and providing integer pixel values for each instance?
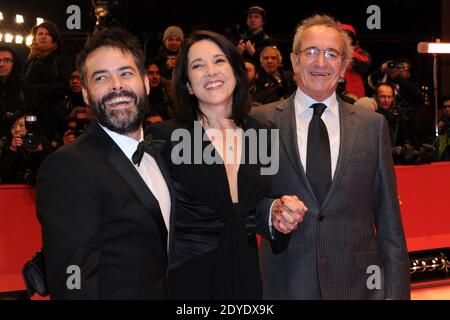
(357, 226)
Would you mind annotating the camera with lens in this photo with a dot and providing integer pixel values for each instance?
(393, 65)
(31, 140)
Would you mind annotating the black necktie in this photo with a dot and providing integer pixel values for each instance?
(152, 147)
(318, 157)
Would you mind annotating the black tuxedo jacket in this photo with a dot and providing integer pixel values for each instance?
(98, 214)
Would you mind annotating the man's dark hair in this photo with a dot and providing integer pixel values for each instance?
(153, 61)
(113, 38)
(9, 119)
(186, 104)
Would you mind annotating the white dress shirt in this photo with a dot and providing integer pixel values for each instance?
(148, 169)
(303, 115)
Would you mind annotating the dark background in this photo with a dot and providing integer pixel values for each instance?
(403, 23)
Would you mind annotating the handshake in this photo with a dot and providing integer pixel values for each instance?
(287, 213)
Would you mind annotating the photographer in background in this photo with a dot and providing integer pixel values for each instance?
(407, 94)
(10, 86)
(172, 42)
(160, 104)
(251, 42)
(444, 130)
(22, 155)
(76, 123)
(403, 151)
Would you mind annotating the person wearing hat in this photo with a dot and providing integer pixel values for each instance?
(173, 38)
(255, 38)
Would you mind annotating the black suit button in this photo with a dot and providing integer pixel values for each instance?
(321, 217)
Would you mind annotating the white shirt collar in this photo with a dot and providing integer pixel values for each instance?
(303, 102)
(126, 144)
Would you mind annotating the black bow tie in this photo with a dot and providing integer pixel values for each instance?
(152, 147)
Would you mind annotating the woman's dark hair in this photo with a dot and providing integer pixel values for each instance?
(186, 105)
(52, 30)
(9, 119)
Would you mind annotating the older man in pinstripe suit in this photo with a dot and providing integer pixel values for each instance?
(351, 244)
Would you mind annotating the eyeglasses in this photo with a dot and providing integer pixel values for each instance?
(314, 53)
(6, 60)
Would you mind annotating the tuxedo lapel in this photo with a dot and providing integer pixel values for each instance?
(349, 133)
(130, 176)
(165, 172)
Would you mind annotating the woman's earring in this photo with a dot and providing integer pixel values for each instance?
(189, 88)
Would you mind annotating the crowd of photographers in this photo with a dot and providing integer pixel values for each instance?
(42, 108)
(38, 100)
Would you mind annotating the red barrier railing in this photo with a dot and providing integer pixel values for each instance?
(423, 192)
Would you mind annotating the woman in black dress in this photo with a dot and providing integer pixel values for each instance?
(213, 151)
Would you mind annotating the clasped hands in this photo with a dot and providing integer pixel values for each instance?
(287, 213)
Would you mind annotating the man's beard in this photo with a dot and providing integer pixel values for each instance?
(122, 121)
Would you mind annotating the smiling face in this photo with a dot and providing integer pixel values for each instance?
(19, 128)
(211, 77)
(116, 91)
(317, 76)
(270, 60)
(173, 43)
